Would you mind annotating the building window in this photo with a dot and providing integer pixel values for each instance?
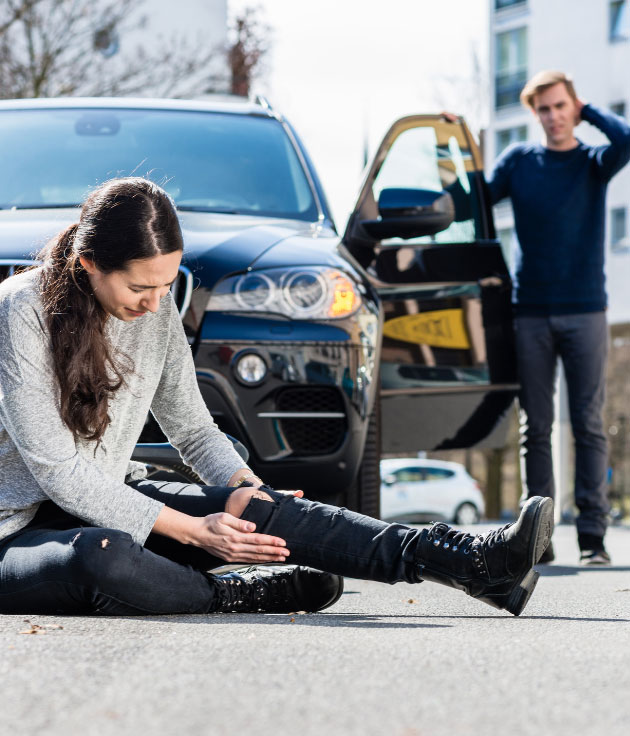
(511, 66)
(619, 108)
(508, 136)
(500, 4)
(618, 224)
(619, 20)
(106, 41)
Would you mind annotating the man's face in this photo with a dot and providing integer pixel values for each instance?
(556, 110)
(138, 289)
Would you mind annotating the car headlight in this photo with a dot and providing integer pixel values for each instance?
(300, 293)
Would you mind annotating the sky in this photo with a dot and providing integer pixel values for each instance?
(343, 70)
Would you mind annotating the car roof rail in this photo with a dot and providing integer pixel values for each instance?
(263, 102)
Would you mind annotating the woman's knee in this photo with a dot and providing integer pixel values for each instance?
(97, 553)
(240, 498)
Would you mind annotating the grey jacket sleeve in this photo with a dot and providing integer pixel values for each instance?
(29, 412)
(183, 416)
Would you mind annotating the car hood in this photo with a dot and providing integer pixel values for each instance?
(24, 232)
(214, 244)
(218, 245)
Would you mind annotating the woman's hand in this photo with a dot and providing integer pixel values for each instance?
(224, 534)
(234, 540)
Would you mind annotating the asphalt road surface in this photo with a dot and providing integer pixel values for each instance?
(390, 660)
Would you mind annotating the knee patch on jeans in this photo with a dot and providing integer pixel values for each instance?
(261, 511)
(96, 550)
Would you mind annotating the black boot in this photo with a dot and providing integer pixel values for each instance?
(548, 555)
(277, 589)
(495, 568)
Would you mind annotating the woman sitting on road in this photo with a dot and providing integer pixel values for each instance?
(91, 342)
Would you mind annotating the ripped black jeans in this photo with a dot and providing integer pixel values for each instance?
(57, 565)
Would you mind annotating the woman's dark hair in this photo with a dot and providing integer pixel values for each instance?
(122, 220)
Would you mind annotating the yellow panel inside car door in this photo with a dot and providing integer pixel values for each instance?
(443, 328)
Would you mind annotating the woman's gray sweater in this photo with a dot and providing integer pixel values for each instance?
(39, 456)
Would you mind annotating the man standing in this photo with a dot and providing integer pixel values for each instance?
(558, 194)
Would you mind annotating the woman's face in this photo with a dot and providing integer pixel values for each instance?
(130, 293)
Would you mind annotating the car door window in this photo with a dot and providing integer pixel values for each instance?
(438, 474)
(409, 475)
(434, 157)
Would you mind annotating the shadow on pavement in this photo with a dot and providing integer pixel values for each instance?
(553, 570)
(508, 617)
(332, 620)
(359, 620)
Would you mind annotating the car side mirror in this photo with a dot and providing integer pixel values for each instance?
(411, 213)
(389, 480)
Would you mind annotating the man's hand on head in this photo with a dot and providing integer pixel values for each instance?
(579, 104)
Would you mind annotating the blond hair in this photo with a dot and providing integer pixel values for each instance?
(542, 81)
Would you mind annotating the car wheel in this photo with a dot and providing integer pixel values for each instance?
(467, 513)
(364, 495)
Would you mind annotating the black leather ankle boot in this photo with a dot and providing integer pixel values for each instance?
(277, 589)
(495, 568)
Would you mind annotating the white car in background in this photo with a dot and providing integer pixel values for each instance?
(418, 490)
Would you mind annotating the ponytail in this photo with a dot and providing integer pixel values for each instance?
(86, 371)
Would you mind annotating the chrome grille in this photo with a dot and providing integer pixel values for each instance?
(182, 290)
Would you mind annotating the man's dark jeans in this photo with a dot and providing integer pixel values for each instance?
(57, 565)
(581, 342)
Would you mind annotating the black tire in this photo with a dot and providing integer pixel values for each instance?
(175, 473)
(364, 495)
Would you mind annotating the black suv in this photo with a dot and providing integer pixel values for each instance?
(316, 351)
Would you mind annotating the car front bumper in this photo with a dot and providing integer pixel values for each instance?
(305, 423)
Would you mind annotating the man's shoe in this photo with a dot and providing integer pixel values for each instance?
(277, 589)
(548, 555)
(594, 557)
(592, 550)
(495, 568)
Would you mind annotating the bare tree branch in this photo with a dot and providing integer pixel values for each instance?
(245, 54)
(12, 12)
(466, 94)
(60, 47)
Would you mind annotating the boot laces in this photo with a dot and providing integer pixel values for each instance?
(253, 590)
(442, 535)
(449, 538)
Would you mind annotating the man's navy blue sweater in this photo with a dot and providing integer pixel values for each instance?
(559, 203)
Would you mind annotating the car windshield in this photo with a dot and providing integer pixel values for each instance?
(207, 161)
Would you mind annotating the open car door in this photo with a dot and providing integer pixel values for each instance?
(422, 231)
